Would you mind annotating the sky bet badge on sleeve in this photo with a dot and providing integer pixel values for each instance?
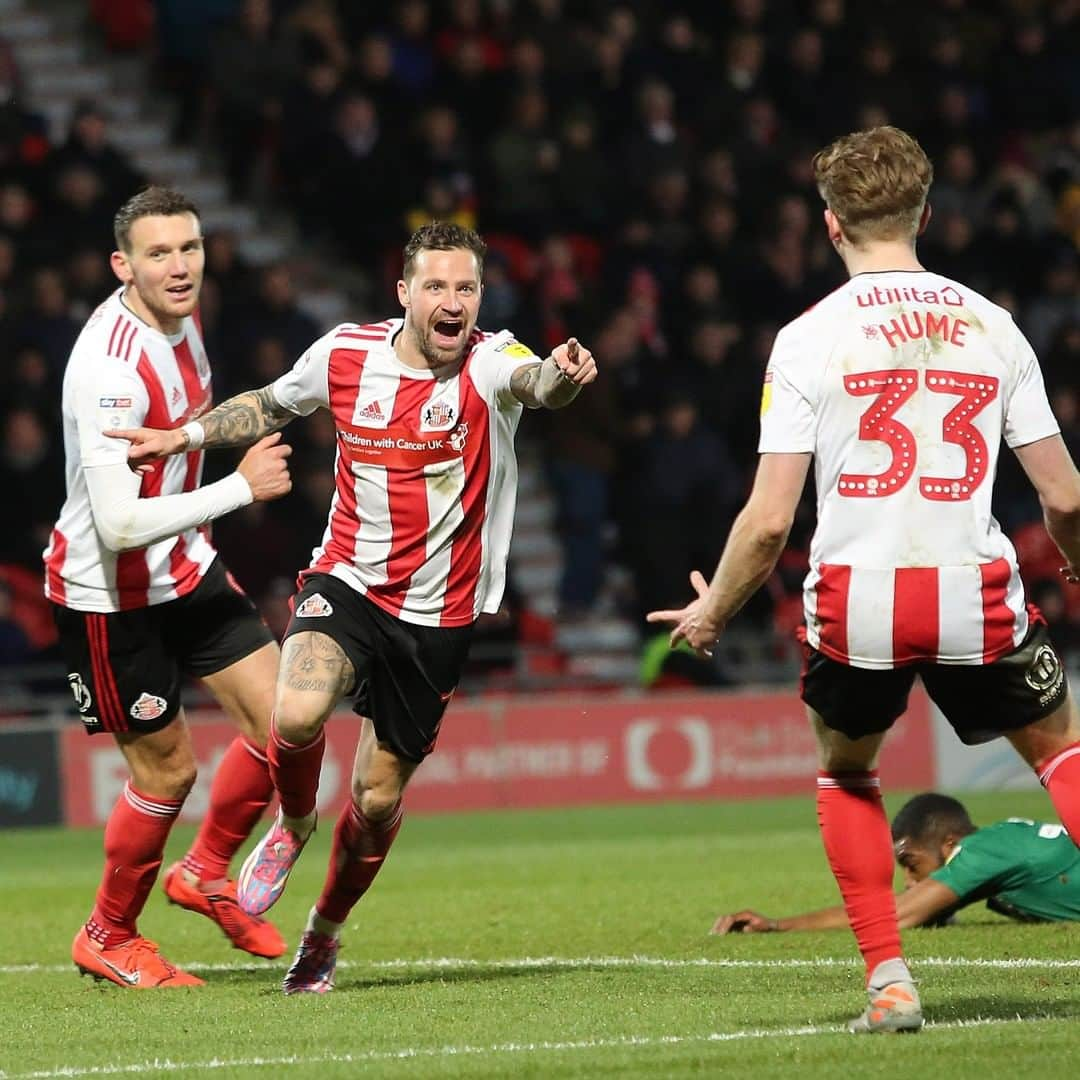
(515, 348)
(766, 393)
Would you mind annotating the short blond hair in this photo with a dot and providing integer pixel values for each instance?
(875, 182)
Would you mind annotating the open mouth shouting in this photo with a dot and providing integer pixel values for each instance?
(447, 333)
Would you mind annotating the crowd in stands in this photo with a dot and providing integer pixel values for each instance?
(642, 174)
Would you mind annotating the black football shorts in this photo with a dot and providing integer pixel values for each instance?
(405, 674)
(125, 667)
(980, 701)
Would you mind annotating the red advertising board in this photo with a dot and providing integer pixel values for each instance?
(521, 752)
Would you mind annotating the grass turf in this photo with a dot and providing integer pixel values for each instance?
(536, 944)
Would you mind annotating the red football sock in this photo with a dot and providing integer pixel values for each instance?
(135, 836)
(240, 792)
(359, 849)
(1060, 775)
(295, 772)
(858, 843)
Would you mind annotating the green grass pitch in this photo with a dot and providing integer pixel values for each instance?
(539, 944)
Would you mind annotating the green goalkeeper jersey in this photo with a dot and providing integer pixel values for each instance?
(1025, 869)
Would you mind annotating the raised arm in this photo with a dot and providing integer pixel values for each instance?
(556, 380)
(240, 421)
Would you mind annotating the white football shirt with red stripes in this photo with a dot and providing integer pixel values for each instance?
(426, 475)
(903, 384)
(122, 373)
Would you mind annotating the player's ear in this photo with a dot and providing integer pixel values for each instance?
(403, 294)
(924, 220)
(121, 267)
(832, 227)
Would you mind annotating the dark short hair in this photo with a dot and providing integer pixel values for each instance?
(927, 819)
(153, 201)
(442, 236)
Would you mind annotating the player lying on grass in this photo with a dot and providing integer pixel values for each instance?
(1027, 870)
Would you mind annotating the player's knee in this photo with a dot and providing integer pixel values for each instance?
(378, 803)
(167, 780)
(297, 725)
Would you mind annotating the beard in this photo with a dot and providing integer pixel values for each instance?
(435, 356)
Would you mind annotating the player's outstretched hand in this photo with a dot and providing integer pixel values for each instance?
(744, 922)
(265, 469)
(575, 362)
(690, 623)
(149, 444)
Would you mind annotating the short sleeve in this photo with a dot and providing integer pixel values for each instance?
(788, 421)
(109, 395)
(1028, 416)
(492, 364)
(306, 386)
(982, 864)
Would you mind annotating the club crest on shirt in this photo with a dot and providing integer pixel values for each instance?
(148, 707)
(315, 606)
(457, 437)
(437, 416)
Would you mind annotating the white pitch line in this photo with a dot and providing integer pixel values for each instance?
(573, 963)
(414, 1053)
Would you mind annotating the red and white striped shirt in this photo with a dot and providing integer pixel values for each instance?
(903, 384)
(122, 373)
(426, 473)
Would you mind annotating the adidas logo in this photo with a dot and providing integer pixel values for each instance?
(176, 395)
(371, 412)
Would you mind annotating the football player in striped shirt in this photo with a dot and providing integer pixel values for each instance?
(141, 598)
(900, 386)
(426, 407)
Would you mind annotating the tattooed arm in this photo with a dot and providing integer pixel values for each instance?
(556, 381)
(240, 421)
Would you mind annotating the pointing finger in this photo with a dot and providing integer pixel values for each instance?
(664, 616)
(572, 351)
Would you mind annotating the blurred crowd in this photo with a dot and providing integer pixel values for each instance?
(642, 174)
